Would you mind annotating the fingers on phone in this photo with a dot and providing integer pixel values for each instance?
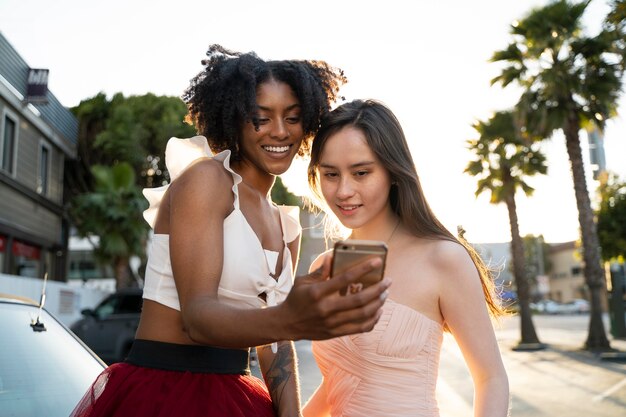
(355, 287)
(354, 273)
(317, 274)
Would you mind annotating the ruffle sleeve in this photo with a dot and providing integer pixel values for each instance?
(179, 154)
(291, 222)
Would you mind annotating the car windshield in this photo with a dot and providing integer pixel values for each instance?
(41, 373)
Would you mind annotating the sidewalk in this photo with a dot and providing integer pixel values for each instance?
(564, 334)
(561, 380)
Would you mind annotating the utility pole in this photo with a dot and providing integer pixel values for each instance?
(616, 300)
(539, 249)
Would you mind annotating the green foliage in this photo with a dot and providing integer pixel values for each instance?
(123, 134)
(536, 259)
(565, 74)
(612, 219)
(113, 212)
(615, 28)
(505, 156)
(131, 129)
(617, 15)
(282, 196)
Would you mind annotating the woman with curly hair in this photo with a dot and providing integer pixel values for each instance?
(362, 171)
(219, 277)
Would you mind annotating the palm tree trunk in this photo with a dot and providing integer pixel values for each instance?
(594, 274)
(528, 334)
(122, 273)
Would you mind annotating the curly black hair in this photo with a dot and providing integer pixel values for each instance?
(223, 95)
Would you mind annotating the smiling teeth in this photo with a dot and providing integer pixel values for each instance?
(277, 149)
(348, 207)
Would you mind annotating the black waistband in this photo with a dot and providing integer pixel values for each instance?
(192, 358)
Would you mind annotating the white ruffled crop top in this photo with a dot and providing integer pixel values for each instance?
(247, 266)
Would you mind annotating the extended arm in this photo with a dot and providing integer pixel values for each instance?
(463, 306)
(281, 377)
(200, 200)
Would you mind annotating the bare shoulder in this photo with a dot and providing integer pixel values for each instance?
(203, 171)
(205, 178)
(447, 252)
(450, 259)
(458, 282)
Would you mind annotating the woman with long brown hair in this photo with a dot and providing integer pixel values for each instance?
(362, 171)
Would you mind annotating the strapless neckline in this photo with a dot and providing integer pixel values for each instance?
(413, 311)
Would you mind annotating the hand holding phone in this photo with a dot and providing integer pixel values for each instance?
(347, 253)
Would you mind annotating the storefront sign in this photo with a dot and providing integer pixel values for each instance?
(25, 250)
(37, 89)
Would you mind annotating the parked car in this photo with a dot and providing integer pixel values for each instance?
(44, 368)
(546, 307)
(577, 306)
(109, 329)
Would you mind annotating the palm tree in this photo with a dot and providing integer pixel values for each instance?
(503, 160)
(612, 218)
(113, 212)
(615, 25)
(569, 81)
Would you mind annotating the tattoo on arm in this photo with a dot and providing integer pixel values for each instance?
(280, 371)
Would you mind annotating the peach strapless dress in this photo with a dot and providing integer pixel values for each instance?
(390, 371)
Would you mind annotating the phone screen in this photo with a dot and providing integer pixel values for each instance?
(348, 253)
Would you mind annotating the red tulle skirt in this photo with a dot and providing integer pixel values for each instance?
(129, 390)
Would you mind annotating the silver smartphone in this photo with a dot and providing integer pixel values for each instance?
(347, 253)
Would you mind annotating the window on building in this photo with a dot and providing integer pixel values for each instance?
(7, 148)
(83, 266)
(44, 169)
(26, 259)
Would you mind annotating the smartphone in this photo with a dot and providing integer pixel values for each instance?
(347, 253)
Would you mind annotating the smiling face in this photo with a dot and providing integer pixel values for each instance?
(272, 148)
(353, 181)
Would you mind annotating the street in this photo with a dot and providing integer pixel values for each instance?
(561, 380)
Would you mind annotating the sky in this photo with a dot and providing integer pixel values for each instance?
(427, 60)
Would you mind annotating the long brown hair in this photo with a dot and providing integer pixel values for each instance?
(386, 138)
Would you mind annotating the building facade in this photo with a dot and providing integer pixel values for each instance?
(566, 278)
(35, 140)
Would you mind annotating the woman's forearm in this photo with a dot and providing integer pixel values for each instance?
(313, 310)
(491, 397)
(281, 377)
(211, 322)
